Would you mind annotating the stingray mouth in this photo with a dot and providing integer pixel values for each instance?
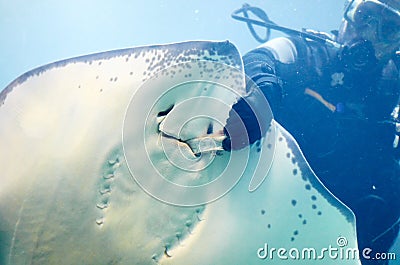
(190, 140)
(209, 143)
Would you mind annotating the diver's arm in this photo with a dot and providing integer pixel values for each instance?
(264, 65)
(261, 67)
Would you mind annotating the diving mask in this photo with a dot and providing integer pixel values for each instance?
(373, 12)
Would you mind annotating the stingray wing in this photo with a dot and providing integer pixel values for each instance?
(98, 151)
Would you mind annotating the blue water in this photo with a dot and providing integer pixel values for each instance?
(34, 33)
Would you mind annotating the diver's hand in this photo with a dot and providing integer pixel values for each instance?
(248, 121)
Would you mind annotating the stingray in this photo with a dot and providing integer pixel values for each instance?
(116, 158)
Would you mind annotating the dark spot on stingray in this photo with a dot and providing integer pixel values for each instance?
(300, 215)
(188, 223)
(269, 146)
(262, 212)
(295, 171)
(304, 177)
(314, 206)
(293, 160)
(288, 155)
(147, 60)
(258, 150)
(165, 112)
(296, 232)
(280, 139)
(97, 77)
(210, 128)
(258, 143)
(308, 187)
(294, 202)
(111, 79)
(131, 73)
(319, 213)
(304, 221)
(100, 63)
(269, 226)
(314, 198)
(292, 239)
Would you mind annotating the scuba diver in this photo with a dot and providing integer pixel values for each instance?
(338, 95)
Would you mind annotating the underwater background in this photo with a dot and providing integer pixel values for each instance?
(37, 32)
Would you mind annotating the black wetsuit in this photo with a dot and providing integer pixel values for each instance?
(339, 114)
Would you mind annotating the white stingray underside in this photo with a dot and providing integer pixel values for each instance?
(68, 197)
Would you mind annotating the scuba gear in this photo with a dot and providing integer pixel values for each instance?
(335, 97)
(268, 24)
(396, 120)
(359, 56)
(385, 18)
(260, 14)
